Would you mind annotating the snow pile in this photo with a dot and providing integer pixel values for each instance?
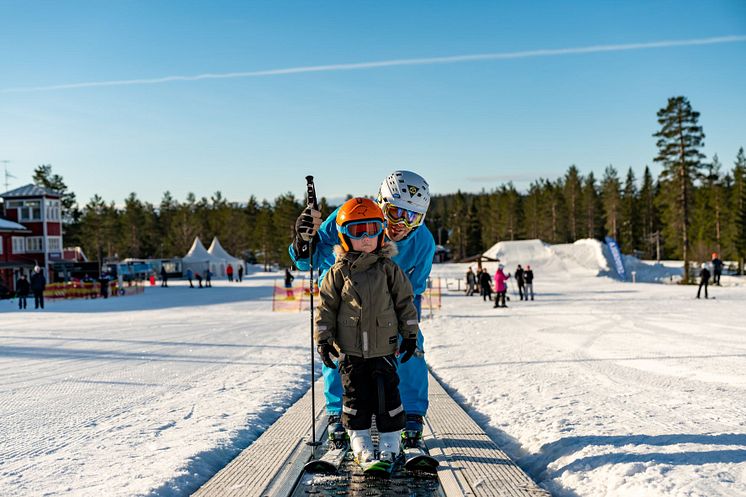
(570, 260)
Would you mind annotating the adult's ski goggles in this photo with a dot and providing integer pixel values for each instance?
(398, 215)
(358, 229)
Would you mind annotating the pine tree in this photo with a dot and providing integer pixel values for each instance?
(629, 234)
(591, 207)
(738, 207)
(611, 200)
(648, 218)
(572, 193)
(679, 142)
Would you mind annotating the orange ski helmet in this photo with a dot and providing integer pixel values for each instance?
(355, 212)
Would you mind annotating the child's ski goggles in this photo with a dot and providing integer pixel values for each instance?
(398, 215)
(358, 229)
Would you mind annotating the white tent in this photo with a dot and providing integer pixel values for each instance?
(198, 260)
(217, 250)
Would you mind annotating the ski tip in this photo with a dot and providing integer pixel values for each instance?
(320, 467)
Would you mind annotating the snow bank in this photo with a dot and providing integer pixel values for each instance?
(582, 258)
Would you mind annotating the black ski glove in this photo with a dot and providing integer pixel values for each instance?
(305, 229)
(326, 350)
(407, 347)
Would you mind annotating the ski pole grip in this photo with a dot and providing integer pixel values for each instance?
(311, 189)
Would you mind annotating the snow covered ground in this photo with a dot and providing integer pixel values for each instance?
(597, 388)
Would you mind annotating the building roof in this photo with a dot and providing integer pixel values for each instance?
(218, 251)
(6, 225)
(31, 190)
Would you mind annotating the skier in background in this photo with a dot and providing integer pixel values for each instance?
(501, 286)
(189, 275)
(229, 273)
(22, 291)
(199, 279)
(365, 282)
(240, 273)
(528, 278)
(704, 279)
(521, 282)
(470, 282)
(404, 198)
(208, 278)
(717, 269)
(485, 285)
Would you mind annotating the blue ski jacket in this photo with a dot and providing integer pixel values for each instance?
(415, 255)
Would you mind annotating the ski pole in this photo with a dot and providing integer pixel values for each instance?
(311, 202)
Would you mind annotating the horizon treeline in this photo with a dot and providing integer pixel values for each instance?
(693, 208)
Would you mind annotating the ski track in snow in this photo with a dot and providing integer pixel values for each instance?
(597, 388)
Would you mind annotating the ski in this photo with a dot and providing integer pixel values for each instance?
(330, 461)
(377, 468)
(417, 459)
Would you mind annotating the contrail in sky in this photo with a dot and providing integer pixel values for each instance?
(388, 63)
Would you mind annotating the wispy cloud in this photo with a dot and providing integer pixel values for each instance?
(454, 59)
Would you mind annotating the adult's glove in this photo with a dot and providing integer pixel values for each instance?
(407, 349)
(306, 226)
(326, 350)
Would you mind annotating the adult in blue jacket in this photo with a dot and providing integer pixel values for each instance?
(404, 198)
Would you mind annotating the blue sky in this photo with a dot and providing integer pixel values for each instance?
(463, 125)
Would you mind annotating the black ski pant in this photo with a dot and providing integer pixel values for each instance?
(701, 284)
(486, 293)
(522, 292)
(371, 386)
(500, 297)
(22, 301)
(716, 277)
(38, 299)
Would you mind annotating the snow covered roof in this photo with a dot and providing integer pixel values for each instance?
(6, 225)
(31, 191)
(218, 251)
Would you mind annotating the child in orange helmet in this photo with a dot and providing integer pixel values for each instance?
(366, 302)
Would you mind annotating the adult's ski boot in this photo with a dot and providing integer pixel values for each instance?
(412, 433)
(335, 431)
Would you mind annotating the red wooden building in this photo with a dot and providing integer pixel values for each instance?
(30, 231)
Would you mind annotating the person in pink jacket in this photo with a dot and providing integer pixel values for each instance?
(501, 286)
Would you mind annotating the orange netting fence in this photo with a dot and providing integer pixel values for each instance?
(293, 299)
(89, 290)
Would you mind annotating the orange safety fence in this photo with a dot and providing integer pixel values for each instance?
(293, 299)
(431, 298)
(88, 290)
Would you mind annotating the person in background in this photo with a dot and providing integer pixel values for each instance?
(289, 284)
(229, 273)
(104, 281)
(704, 279)
(38, 284)
(189, 275)
(22, 291)
(717, 269)
(485, 285)
(199, 279)
(521, 282)
(471, 281)
(528, 279)
(501, 286)
(208, 278)
(164, 277)
(240, 273)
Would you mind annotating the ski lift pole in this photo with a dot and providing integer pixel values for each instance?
(311, 190)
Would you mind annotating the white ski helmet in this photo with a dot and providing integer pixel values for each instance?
(405, 189)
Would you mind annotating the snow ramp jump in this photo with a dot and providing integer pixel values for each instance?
(470, 463)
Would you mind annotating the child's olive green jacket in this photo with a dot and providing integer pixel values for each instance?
(366, 301)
